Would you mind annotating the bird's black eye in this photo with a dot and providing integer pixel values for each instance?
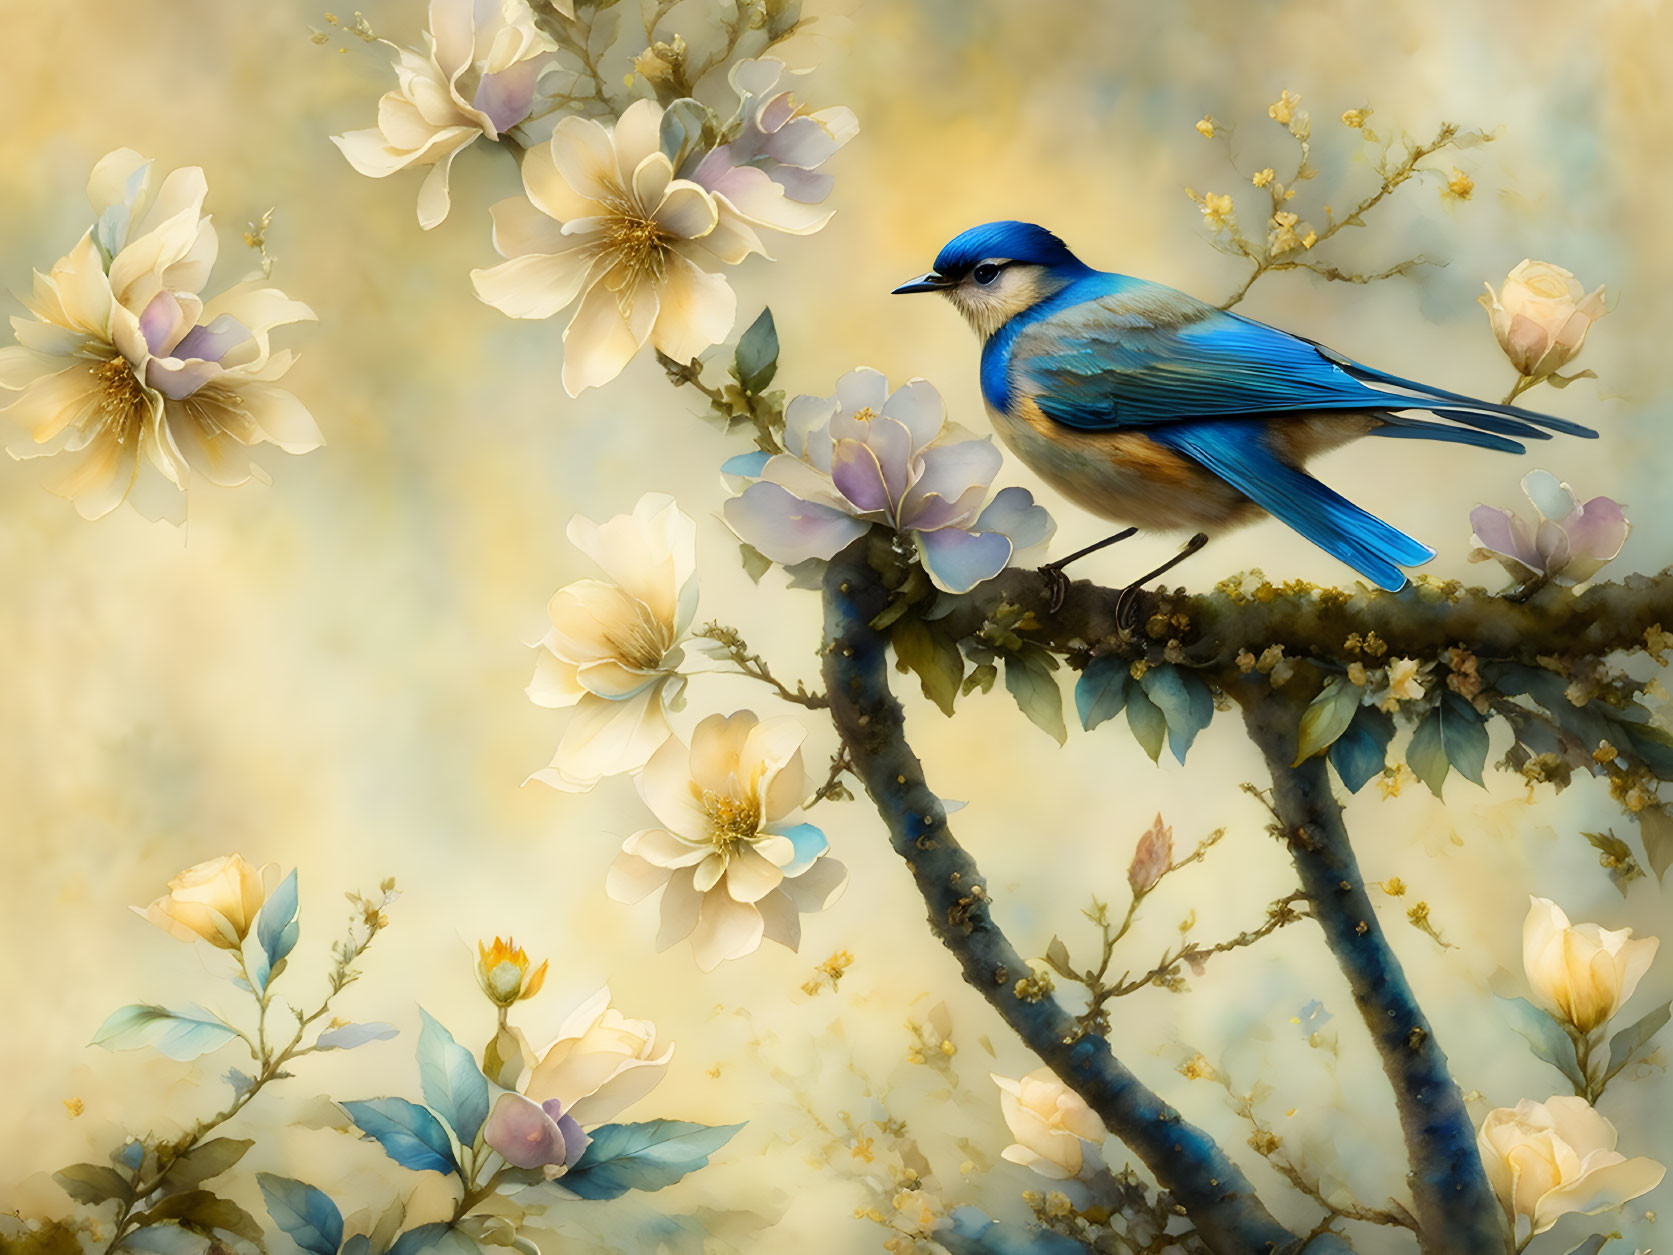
(987, 272)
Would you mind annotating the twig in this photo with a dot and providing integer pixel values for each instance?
(755, 667)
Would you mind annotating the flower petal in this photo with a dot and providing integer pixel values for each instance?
(787, 529)
(956, 561)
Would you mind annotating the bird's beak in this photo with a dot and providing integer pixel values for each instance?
(931, 282)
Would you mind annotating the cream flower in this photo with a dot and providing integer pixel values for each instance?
(124, 358)
(732, 865)
(1580, 972)
(476, 76)
(768, 172)
(599, 1063)
(607, 222)
(215, 901)
(613, 650)
(1551, 1158)
(1540, 316)
(1049, 1121)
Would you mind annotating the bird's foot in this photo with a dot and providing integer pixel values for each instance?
(1057, 585)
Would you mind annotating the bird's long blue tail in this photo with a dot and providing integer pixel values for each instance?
(1332, 522)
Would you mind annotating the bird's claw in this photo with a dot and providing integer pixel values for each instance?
(1057, 586)
(1127, 610)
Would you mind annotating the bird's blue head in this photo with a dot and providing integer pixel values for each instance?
(997, 270)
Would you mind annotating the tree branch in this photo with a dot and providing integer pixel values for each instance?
(1457, 1211)
(1211, 1189)
(1210, 629)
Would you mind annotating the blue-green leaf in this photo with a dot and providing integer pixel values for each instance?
(421, 1238)
(757, 357)
(181, 1035)
(1655, 829)
(648, 1156)
(1183, 699)
(1362, 751)
(1630, 1040)
(1463, 736)
(1147, 723)
(1327, 717)
(351, 1035)
(358, 1244)
(277, 929)
(306, 1213)
(1546, 1037)
(1101, 691)
(409, 1134)
(1425, 755)
(453, 1085)
(1593, 1244)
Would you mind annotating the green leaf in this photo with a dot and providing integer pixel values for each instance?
(1463, 736)
(1562, 381)
(1327, 717)
(757, 355)
(1362, 751)
(1655, 829)
(205, 1160)
(756, 563)
(1101, 691)
(422, 1238)
(1546, 1037)
(1593, 1244)
(199, 1209)
(1425, 755)
(1616, 856)
(981, 676)
(1185, 702)
(93, 1183)
(1029, 679)
(649, 1156)
(181, 1035)
(1146, 721)
(928, 651)
(453, 1085)
(1630, 1040)
(351, 1035)
(303, 1211)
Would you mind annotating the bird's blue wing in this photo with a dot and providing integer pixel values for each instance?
(1332, 522)
(1144, 354)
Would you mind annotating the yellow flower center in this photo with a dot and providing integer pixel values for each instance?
(637, 247)
(121, 399)
(865, 415)
(637, 643)
(731, 822)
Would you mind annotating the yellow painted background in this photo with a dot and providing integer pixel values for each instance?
(329, 672)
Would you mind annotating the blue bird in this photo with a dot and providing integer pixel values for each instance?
(1151, 408)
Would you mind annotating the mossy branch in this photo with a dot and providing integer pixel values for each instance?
(1209, 1186)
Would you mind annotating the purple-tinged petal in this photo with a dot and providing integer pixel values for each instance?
(575, 1140)
(862, 389)
(787, 529)
(506, 96)
(948, 473)
(213, 340)
(524, 1134)
(956, 560)
(856, 471)
(1505, 534)
(918, 407)
(1552, 543)
(1015, 513)
(807, 429)
(1600, 530)
(157, 322)
(178, 380)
